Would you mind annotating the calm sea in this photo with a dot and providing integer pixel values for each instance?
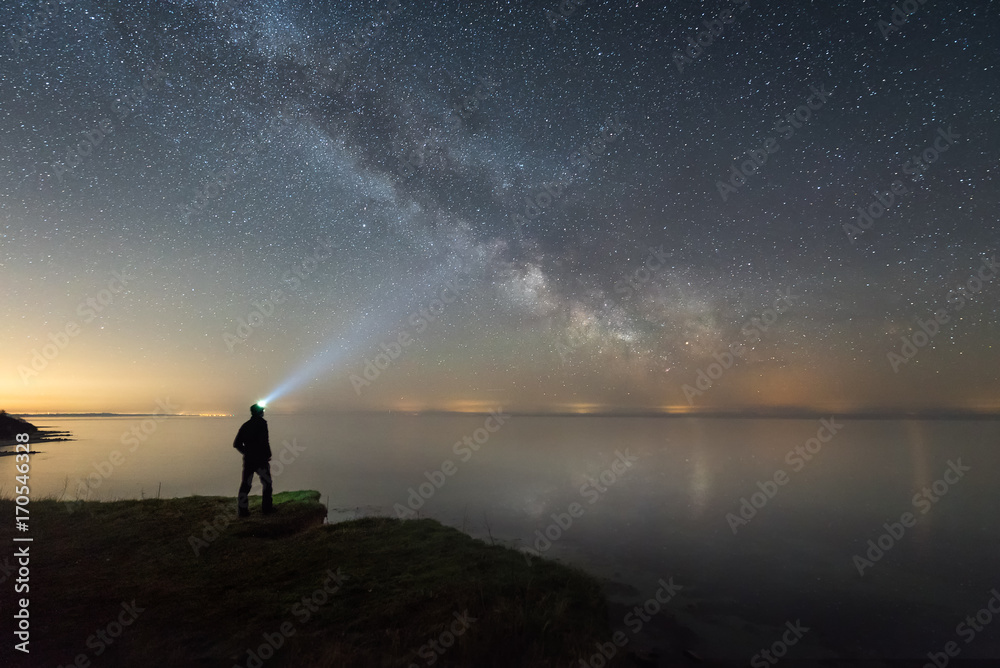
(636, 500)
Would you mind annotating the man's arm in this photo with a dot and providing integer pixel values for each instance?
(238, 441)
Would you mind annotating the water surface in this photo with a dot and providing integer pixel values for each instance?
(663, 515)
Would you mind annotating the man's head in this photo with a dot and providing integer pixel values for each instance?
(256, 410)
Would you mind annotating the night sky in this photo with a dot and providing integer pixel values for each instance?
(540, 200)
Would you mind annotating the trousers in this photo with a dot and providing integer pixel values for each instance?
(263, 471)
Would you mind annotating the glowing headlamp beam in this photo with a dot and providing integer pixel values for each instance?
(358, 337)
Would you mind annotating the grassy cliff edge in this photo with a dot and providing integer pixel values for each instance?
(184, 582)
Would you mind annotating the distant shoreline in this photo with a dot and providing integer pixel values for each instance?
(730, 415)
(48, 415)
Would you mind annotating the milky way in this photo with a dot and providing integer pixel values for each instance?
(558, 207)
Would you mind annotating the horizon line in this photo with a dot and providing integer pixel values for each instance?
(779, 413)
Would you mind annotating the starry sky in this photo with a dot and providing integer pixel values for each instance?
(454, 205)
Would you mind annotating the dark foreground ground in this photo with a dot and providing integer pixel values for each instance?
(154, 583)
(183, 582)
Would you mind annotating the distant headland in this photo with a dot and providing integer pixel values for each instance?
(11, 426)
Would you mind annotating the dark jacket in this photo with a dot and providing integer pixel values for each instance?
(251, 441)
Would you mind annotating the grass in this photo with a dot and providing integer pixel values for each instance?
(405, 583)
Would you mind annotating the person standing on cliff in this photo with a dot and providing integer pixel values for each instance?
(252, 442)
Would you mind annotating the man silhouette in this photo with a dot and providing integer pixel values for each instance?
(252, 443)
